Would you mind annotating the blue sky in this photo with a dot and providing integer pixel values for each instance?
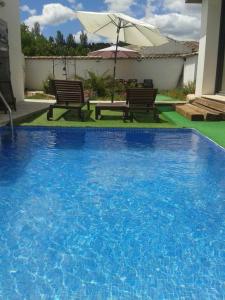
(173, 17)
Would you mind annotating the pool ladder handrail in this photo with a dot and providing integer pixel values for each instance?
(9, 111)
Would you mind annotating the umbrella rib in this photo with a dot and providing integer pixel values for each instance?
(102, 27)
(140, 31)
(113, 21)
(124, 34)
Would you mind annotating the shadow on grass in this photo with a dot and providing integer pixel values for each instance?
(165, 108)
(147, 118)
(111, 118)
(72, 115)
(31, 118)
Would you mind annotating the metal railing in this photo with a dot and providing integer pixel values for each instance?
(9, 111)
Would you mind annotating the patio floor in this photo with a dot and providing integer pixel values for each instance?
(168, 119)
(23, 109)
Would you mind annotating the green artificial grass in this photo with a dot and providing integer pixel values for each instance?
(69, 118)
(168, 119)
(214, 130)
(161, 97)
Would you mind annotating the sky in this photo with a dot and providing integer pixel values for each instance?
(174, 18)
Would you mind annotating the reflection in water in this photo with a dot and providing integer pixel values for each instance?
(14, 155)
(72, 139)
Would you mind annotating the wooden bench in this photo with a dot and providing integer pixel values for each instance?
(118, 106)
(69, 94)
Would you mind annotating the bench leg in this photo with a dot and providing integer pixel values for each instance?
(97, 113)
(132, 117)
(50, 113)
(88, 105)
(156, 114)
(125, 114)
(80, 114)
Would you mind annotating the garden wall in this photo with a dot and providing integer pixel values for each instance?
(165, 72)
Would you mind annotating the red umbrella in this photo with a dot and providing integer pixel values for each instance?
(109, 52)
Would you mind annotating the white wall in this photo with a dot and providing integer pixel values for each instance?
(208, 48)
(10, 14)
(190, 69)
(165, 72)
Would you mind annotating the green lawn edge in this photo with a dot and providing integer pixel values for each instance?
(215, 130)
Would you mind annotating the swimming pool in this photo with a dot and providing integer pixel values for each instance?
(111, 214)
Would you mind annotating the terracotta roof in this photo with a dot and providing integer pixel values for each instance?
(193, 45)
(170, 55)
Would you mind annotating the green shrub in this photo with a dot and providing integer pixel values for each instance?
(189, 88)
(48, 85)
(180, 93)
(100, 84)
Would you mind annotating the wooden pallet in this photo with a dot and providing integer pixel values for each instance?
(202, 109)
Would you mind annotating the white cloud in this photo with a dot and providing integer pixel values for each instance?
(52, 14)
(93, 38)
(182, 7)
(76, 5)
(119, 5)
(176, 19)
(26, 8)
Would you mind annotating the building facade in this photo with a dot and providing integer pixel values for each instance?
(211, 63)
(11, 58)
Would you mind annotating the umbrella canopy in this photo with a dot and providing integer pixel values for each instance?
(109, 52)
(120, 27)
(132, 31)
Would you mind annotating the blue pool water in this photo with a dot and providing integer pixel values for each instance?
(111, 214)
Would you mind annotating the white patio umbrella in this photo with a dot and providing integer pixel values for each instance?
(120, 27)
(109, 52)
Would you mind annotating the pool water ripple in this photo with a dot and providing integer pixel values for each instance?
(111, 214)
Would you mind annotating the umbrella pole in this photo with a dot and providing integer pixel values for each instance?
(115, 61)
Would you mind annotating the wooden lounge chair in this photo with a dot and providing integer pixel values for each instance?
(7, 91)
(148, 83)
(141, 99)
(69, 94)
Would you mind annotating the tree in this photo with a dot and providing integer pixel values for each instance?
(36, 44)
(51, 40)
(70, 42)
(59, 38)
(36, 30)
(83, 39)
(27, 40)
